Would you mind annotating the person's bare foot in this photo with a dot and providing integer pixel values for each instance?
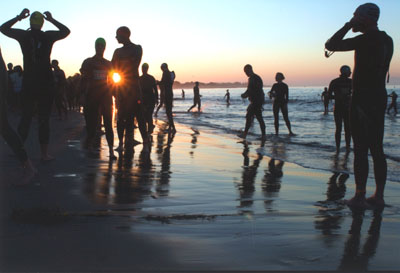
(358, 202)
(28, 172)
(47, 157)
(376, 201)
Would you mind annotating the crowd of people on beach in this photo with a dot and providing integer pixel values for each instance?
(360, 102)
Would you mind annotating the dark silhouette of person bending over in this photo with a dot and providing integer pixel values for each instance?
(280, 94)
(373, 53)
(255, 94)
(196, 98)
(340, 90)
(38, 82)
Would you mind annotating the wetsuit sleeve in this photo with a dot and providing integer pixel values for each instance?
(330, 90)
(6, 29)
(286, 93)
(337, 43)
(61, 33)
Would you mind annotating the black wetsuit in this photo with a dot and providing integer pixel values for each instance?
(150, 98)
(98, 101)
(59, 91)
(167, 83)
(340, 90)
(126, 61)
(281, 95)
(38, 83)
(196, 98)
(393, 104)
(256, 96)
(373, 53)
(8, 133)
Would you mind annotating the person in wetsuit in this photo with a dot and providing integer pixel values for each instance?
(340, 90)
(280, 94)
(166, 84)
(196, 98)
(255, 94)
(325, 98)
(95, 79)
(8, 133)
(38, 83)
(393, 104)
(150, 96)
(126, 61)
(227, 97)
(373, 53)
(59, 89)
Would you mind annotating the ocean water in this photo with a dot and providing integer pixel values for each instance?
(314, 143)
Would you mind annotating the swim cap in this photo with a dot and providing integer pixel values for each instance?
(345, 70)
(368, 10)
(279, 75)
(124, 32)
(164, 65)
(100, 41)
(145, 65)
(37, 19)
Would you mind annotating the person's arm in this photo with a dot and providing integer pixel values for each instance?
(286, 93)
(62, 32)
(155, 90)
(331, 94)
(336, 42)
(249, 86)
(11, 32)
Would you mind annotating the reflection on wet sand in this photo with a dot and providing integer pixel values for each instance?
(355, 259)
(129, 181)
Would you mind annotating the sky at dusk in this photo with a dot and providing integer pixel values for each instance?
(210, 40)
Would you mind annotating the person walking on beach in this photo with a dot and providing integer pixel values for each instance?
(325, 98)
(280, 94)
(227, 97)
(59, 89)
(166, 83)
(393, 104)
(150, 96)
(38, 83)
(98, 102)
(340, 91)
(196, 98)
(255, 94)
(126, 61)
(8, 133)
(373, 53)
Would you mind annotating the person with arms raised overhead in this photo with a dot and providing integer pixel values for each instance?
(255, 94)
(38, 82)
(340, 91)
(126, 61)
(95, 79)
(373, 53)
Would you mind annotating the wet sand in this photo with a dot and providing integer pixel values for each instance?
(198, 202)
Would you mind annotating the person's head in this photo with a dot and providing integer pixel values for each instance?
(345, 71)
(123, 35)
(36, 20)
(365, 17)
(100, 46)
(145, 68)
(248, 70)
(164, 67)
(10, 66)
(54, 63)
(196, 83)
(18, 69)
(326, 89)
(279, 77)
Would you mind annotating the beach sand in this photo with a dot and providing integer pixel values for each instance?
(199, 202)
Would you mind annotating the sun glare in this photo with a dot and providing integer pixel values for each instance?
(116, 77)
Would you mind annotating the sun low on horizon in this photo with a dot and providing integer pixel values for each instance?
(209, 41)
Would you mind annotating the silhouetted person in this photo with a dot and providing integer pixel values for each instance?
(8, 133)
(98, 102)
(59, 89)
(38, 83)
(227, 97)
(393, 104)
(196, 98)
(340, 90)
(255, 94)
(167, 82)
(161, 101)
(183, 94)
(325, 98)
(373, 53)
(280, 93)
(150, 96)
(126, 61)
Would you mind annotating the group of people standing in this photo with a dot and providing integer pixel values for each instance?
(136, 96)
